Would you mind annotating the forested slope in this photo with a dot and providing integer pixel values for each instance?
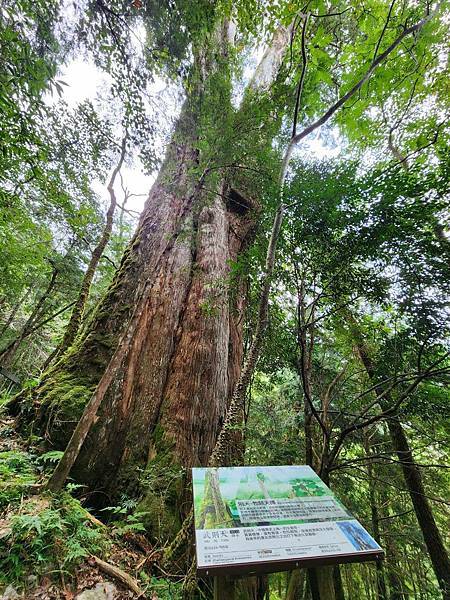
(280, 298)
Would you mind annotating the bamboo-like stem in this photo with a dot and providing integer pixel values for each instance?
(224, 442)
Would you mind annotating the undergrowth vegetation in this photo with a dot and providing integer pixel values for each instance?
(51, 537)
(16, 473)
(42, 533)
(47, 537)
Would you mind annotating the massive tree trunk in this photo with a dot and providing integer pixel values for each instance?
(170, 394)
(168, 397)
(413, 478)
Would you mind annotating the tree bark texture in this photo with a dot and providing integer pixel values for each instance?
(176, 377)
(169, 395)
(213, 512)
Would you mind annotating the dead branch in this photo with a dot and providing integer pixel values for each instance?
(117, 573)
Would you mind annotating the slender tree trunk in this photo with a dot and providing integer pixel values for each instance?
(76, 317)
(393, 569)
(413, 478)
(304, 363)
(338, 584)
(7, 354)
(12, 314)
(381, 579)
(329, 579)
(321, 579)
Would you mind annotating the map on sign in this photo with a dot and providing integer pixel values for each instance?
(276, 517)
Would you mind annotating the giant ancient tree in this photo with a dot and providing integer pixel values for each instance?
(181, 361)
(244, 263)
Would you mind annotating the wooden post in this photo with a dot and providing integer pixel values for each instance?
(325, 583)
(224, 588)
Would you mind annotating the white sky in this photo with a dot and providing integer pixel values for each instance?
(85, 81)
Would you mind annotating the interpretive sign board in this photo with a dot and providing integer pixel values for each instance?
(265, 519)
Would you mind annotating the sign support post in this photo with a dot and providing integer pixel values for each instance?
(224, 588)
(325, 583)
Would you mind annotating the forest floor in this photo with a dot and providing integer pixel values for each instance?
(52, 547)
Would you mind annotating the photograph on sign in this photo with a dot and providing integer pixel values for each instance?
(253, 515)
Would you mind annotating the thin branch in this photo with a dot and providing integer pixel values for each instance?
(119, 574)
(42, 323)
(390, 484)
(401, 514)
(384, 458)
(333, 14)
(302, 75)
(386, 413)
(134, 214)
(108, 259)
(418, 151)
(384, 30)
(375, 63)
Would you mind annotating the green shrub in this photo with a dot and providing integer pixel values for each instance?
(123, 520)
